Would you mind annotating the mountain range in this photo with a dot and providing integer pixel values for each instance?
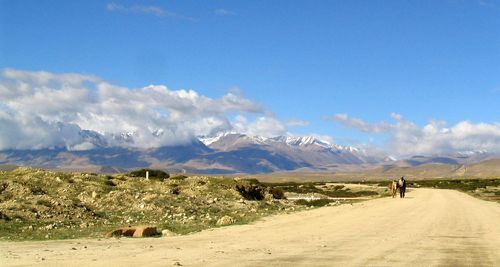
(223, 153)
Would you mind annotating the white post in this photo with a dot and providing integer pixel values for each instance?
(147, 175)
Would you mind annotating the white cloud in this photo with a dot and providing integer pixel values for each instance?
(43, 110)
(142, 9)
(297, 123)
(263, 126)
(224, 12)
(358, 123)
(435, 138)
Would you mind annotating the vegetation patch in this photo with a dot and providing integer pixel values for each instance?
(333, 190)
(38, 205)
(487, 189)
(153, 174)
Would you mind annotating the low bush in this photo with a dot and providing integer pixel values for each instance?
(251, 192)
(178, 177)
(465, 185)
(44, 202)
(277, 193)
(153, 174)
(4, 216)
(109, 182)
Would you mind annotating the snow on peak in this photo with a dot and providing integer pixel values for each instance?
(294, 141)
(305, 141)
(208, 140)
(389, 159)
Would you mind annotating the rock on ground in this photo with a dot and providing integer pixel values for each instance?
(226, 220)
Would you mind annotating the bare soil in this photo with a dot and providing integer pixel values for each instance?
(430, 227)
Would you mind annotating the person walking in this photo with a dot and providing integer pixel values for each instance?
(402, 187)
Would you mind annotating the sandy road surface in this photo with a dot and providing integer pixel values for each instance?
(429, 228)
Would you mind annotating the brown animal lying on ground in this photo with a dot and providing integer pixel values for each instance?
(139, 231)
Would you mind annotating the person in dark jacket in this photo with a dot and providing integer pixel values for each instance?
(402, 187)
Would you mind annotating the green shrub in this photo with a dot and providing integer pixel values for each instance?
(4, 216)
(109, 182)
(178, 177)
(251, 192)
(44, 202)
(37, 190)
(277, 193)
(252, 181)
(153, 174)
(175, 190)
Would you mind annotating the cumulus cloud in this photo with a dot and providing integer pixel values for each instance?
(263, 126)
(435, 138)
(45, 110)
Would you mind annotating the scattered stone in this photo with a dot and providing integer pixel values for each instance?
(167, 232)
(225, 220)
(73, 248)
(94, 194)
(177, 263)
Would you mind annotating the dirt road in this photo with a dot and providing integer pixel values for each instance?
(428, 228)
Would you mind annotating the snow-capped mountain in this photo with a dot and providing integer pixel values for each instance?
(292, 141)
(282, 152)
(228, 152)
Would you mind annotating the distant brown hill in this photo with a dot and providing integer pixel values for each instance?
(484, 169)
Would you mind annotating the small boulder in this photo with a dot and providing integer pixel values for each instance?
(167, 232)
(225, 220)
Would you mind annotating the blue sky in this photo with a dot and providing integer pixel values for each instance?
(302, 60)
